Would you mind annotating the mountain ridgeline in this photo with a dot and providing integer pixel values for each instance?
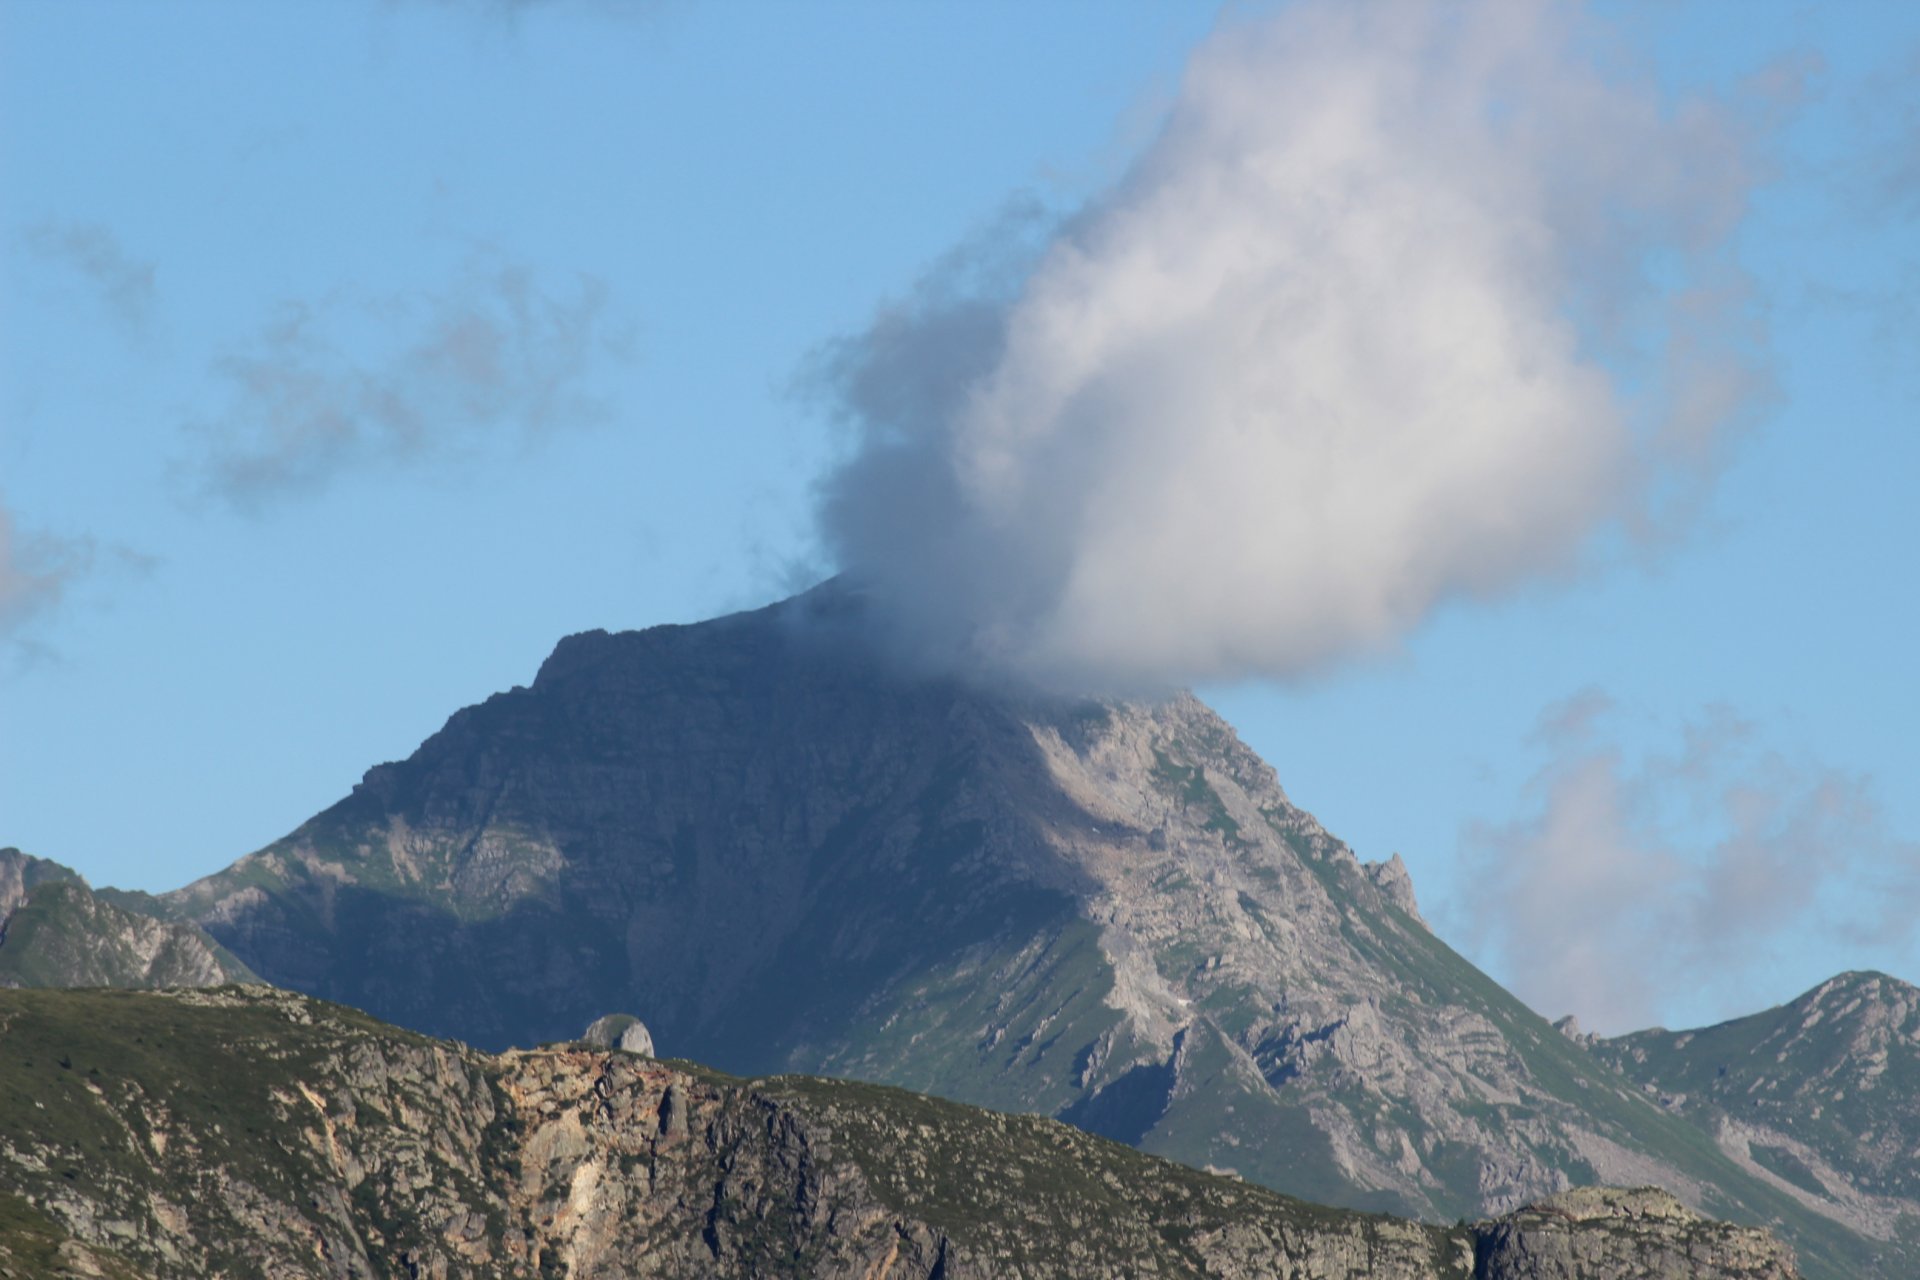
(788, 856)
(1822, 1093)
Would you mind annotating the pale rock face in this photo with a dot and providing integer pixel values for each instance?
(20, 872)
(56, 932)
(1569, 1026)
(1392, 878)
(620, 1031)
(1641, 1234)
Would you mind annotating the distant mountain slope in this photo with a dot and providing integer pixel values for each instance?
(787, 856)
(1821, 1096)
(246, 1131)
(57, 932)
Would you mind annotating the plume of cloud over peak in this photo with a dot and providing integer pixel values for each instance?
(1407, 302)
(1633, 887)
(326, 388)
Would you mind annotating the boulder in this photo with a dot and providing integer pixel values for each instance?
(620, 1031)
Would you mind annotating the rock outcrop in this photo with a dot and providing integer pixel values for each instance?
(55, 931)
(250, 1131)
(1640, 1234)
(620, 1031)
(22, 873)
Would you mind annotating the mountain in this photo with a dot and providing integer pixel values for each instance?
(55, 931)
(1820, 1096)
(788, 855)
(247, 1131)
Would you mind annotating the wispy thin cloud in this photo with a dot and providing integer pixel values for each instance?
(1888, 119)
(327, 388)
(37, 570)
(512, 10)
(124, 283)
(1631, 888)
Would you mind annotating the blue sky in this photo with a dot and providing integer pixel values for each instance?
(640, 224)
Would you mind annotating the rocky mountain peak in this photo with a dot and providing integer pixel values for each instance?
(795, 854)
(1877, 1006)
(56, 931)
(21, 872)
(1819, 1097)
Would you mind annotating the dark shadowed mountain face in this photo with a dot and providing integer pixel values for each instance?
(786, 856)
(742, 829)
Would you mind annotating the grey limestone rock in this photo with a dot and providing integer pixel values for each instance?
(56, 931)
(1624, 1234)
(673, 1112)
(1392, 879)
(1569, 1026)
(620, 1031)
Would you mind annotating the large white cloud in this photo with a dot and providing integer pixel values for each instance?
(1406, 302)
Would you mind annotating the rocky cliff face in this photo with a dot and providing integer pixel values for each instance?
(1623, 1234)
(1820, 1097)
(21, 874)
(56, 932)
(246, 1131)
(787, 856)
